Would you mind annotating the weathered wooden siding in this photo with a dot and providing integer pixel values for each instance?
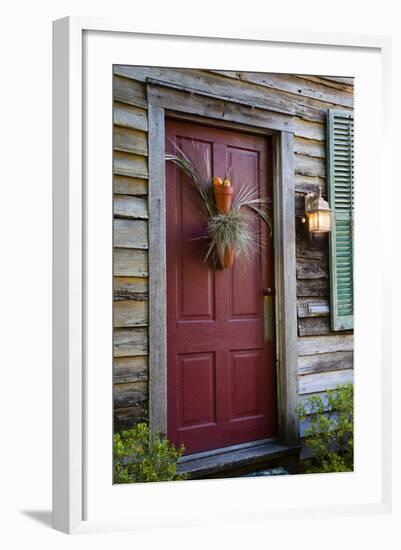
(325, 358)
(130, 372)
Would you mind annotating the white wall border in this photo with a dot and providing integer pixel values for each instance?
(69, 341)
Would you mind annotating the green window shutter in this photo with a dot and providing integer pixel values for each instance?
(340, 178)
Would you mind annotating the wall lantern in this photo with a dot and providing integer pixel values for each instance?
(318, 213)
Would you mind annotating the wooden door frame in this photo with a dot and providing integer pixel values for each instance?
(194, 105)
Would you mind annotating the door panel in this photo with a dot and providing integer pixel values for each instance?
(200, 304)
(246, 383)
(221, 371)
(244, 295)
(197, 376)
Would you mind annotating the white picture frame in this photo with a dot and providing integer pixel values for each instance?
(83, 496)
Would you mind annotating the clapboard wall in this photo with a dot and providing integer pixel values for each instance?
(325, 357)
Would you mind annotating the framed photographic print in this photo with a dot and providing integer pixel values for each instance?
(218, 348)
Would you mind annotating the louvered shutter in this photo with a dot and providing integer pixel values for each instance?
(340, 175)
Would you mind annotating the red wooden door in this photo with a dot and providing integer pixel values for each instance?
(221, 369)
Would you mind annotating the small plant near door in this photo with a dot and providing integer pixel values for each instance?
(140, 456)
(330, 435)
(227, 215)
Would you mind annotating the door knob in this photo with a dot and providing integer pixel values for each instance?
(267, 291)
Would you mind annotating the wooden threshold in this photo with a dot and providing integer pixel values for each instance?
(240, 459)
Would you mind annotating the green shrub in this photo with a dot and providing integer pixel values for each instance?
(330, 433)
(141, 456)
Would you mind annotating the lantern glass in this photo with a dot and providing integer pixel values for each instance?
(319, 221)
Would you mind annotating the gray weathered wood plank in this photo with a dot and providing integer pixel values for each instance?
(311, 246)
(130, 141)
(130, 288)
(309, 184)
(313, 326)
(349, 80)
(130, 369)
(130, 341)
(130, 117)
(313, 383)
(127, 206)
(127, 164)
(295, 85)
(130, 394)
(125, 185)
(339, 83)
(130, 233)
(309, 130)
(313, 345)
(310, 147)
(309, 166)
(126, 90)
(313, 287)
(325, 362)
(130, 313)
(130, 263)
(311, 268)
